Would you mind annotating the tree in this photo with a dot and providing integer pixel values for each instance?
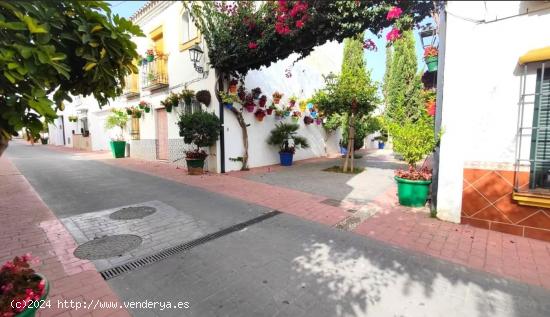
(245, 35)
(352, 95)
(50, 50)
(199, 128)
(117, 119)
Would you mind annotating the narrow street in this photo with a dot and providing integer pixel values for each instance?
(278, 265)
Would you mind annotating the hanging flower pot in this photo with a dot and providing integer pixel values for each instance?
(263, 101)
(269, 111)
(313, 114)
(129, 111)
(277, 97)
(260, 115)
(295, 119)
(233, 86)
(228, 106)
(430, 57)
(137, 114)
(302, 106)
(308, 120)
(292, 101)
(147, 109)
(256, 92)
(150, 58)
(318, 121)
(249, 107)
(203, 96)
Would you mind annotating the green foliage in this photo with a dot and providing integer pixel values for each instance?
(200, 128)
(404, 86)
(413, 140)
(333, 122)
(282, 133)
(117, 118)
(50, 49)
(228, 33)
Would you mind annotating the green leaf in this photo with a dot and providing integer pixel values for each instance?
(33, 25)
(89, 65)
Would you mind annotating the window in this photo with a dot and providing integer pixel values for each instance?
(539, 174)
(195, 106)
(189, 31)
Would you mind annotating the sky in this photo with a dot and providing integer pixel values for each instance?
(376, 60)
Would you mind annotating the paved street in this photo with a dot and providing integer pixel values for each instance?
(281, 266)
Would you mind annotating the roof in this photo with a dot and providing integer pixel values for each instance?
(536, 55)
(141, 11)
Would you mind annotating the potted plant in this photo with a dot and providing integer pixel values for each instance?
(318, 121)
(303, 105)
(381, 139)
(308, 120)
(279, 114)
(144, 104)
(173, 99)
(150, 55)
(260, 114)
(292, 100)
(187, 96)
(249, 103)
(117, 118)
(413, 141)
(277, 97)
(270, 109)
(201, 129)
(256, 92)
(22, 290)
(167, 104)
(227, 100)
(204, 97)
(262, 101)
(129, 111)
(281, 135)
(430, 57)
(241, 93)
(233, 86)
(296, 116)
(137, 113)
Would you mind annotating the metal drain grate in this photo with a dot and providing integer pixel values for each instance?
(136, 264)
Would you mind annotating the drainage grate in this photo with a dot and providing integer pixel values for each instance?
(150, 259)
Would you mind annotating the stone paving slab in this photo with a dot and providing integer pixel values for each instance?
(28, 225)
(165, 228)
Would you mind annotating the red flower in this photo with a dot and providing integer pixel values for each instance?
(299, 24)
(430, 51)
(430, 108)
(252, 45)
(393, 35)
(394, 13)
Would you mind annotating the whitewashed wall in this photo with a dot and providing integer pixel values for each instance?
(481, 88)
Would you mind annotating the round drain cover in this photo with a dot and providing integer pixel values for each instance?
(107, 247)
(128, 213)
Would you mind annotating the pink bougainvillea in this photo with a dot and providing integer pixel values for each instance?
(287, 18)
(393, 35)
(252, 45)
(370, 45)
(394, 13)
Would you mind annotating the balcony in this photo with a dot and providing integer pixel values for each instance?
(131, 89)
(154, 75)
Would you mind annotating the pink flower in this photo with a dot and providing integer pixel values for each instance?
(252, 45)
(394, 13)
(393, 35)
(299, 24)
(370, 45)
(6, 288)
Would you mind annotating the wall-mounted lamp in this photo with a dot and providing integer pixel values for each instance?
(195, 53)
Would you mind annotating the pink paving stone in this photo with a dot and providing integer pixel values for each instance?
(33, 227)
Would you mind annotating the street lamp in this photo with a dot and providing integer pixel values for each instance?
(195, 53)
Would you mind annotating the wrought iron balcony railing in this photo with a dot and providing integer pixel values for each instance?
(154, 74)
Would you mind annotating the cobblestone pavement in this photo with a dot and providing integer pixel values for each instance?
(292, 264)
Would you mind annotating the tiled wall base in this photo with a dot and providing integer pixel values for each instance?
(487, 203)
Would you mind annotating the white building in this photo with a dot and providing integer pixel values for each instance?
(169, 29)
(486, 177)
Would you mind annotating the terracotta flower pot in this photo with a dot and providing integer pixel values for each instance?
(249, 108)
(232, 89)
(269, 111)
(276, 100)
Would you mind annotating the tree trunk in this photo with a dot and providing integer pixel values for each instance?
(4, 139)
(350, 146)
(352, 137)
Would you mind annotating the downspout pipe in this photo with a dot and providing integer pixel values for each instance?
(222, 130)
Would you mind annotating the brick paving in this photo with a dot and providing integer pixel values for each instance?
(28, 225)
(519, 258)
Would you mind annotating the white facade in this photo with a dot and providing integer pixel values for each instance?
(171, 20)
(483, 42)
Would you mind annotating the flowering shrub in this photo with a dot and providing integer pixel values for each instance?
(19, 284)
(290, 18)
(393, 35)
(394, 13)
(370, 45)
(424, 174)
(430, 51)
(430, 108)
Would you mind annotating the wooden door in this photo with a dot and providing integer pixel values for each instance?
(162, 134)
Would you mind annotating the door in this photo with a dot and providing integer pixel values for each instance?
(162, 134)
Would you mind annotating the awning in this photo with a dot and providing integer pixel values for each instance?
(537, 55)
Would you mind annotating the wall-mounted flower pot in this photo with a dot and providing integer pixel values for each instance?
(260, 118)
(233, 89)
(129, 112)
(412, 193)
(168, 108)
(381, 145)
(269, 111)
(295, 119)
(118, 148)
(249, 108)
(276, 100)
(286, 158)
(195, 167)
(228, 106)
(292, 103)
(431, 62)
(343, 150)
(147, 109)
(137, 115)
(150, 58)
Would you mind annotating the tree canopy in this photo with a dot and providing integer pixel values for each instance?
(247, 35)
(50, 50)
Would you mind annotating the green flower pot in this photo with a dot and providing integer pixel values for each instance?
(150, 58)
(412, 193)
(147, 110)
(431, 62)
(31, 311)
(168, 108)
(195, 167)
(118, 148)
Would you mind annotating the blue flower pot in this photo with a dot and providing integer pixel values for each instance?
(286, 158)
(343, 150)
(381, 145)
(228, 106)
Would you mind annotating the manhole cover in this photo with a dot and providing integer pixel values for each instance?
(107, 247)
(132, 213)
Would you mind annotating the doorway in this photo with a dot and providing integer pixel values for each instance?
(162, 134)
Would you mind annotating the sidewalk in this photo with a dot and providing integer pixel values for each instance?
(30, 226)
(510, 256)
